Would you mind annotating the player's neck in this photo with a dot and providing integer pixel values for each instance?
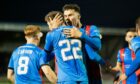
(32, 42)
(80, 24)
(129, 46)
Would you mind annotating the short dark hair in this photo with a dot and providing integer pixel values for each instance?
(52, 14)
(71, 6)
(131, 30)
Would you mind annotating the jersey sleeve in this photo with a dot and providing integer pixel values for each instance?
(93, 55)
(11, 61)
(43, 58)
(135, 65)
(93, 39)
(94, 32)
(118, 57)
(46, 57)
(48, 42)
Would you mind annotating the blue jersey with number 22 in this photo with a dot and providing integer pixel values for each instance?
(68, 54)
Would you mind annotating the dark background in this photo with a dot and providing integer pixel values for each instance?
(116, 14)
(105, 13)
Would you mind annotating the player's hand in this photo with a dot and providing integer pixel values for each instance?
(73, 33)
(55, 22)
(115, 82)
(121, 78)
(107, 66)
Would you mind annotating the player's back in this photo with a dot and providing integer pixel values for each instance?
(26, 64)
(68, 56)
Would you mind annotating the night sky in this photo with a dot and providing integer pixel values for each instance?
(105, 13)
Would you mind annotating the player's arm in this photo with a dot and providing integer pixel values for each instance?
(48, 43)
(135, 64)
(48, 48)
(49, 73)
(118, 64)
(117, 67)
(10, 75)
(93, 55)
(10, 71)
(93, 39)
(44, 63)
(45, 58)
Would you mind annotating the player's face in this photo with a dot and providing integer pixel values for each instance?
(71, 15)
(129, 36)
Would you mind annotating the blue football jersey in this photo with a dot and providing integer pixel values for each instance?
(26, 62)
(135, 45)
(127, 61)
(68, 54)
(93, 41)
(94, 31)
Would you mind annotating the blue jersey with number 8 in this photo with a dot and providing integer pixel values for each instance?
(68, 54)
(26, 61)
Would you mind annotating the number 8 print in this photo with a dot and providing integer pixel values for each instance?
(23, 67)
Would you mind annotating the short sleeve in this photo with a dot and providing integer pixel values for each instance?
(11, 61)
(48, 42)
(43, 58)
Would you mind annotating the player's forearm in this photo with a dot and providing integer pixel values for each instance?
(11, 79)
(133, 67)
(49, 74)
(94, 42)
(52, 77)
(117, 67)
(93, 55)
(10, 75)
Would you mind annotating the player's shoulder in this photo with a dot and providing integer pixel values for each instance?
(50, 34)
(55, 31)
(124, 49)
(15, 50)
(92, 27)
(135, 39)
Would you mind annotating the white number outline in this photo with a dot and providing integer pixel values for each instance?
(68, 48)
(25, 65)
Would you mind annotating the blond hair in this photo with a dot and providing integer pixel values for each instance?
(31, 30)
